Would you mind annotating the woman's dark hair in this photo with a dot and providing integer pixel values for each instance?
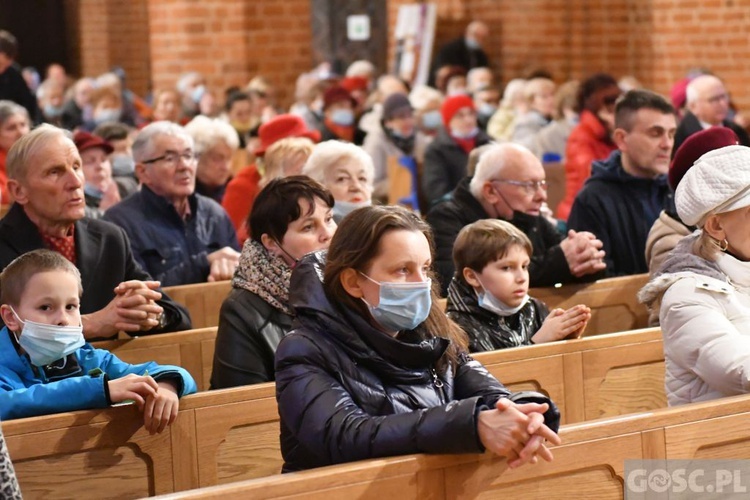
(591, 92)
(277, 205)
(357, 242)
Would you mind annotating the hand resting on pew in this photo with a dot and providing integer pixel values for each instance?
(133, 309)
(584, 253)
(563, 324)
(159, 401)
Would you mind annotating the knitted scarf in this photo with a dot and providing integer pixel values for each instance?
(265, 275)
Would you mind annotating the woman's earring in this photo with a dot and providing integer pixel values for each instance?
(723, 245)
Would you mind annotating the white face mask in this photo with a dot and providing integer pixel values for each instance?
(494, 305)
(45, 343)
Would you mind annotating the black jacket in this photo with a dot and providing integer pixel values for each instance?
(103, 256)
(620, 210)
(457, 53)
(486, 330)
(548, 264)
(445, 165)
(13, 88)
(690, 124)
(347, 391)
(250, 329)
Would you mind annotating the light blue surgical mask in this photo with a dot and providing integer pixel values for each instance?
(122, 165)
(486, 109)
(51, 111)
(343, 117)
(432, 120)
(197, 93)
(46, 344)
(468, 135)
(402, 306)
(472, 43)
(107, 115)
(92, 191)
(343, 208)
(490, 303)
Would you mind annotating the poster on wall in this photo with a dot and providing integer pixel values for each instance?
(415, 34)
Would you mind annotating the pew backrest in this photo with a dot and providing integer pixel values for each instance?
(203, 300)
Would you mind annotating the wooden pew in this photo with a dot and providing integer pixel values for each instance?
(203, 300)
(613, 302)
(555, 175)
(191, 349)
(589, 464)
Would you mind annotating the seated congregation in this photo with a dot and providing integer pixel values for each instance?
(382, 271)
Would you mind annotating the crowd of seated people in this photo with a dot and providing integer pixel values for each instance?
(109, 196)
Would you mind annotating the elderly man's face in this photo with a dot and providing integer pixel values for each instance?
(712, 105)
(518, 186)
(215, 165)
(170, 171)
(52, 190)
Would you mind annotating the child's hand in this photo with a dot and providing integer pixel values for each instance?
(161, 408)
(135, 387)
(561, 324)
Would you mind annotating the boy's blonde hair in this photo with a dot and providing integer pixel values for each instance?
(486, 241)
(14, 277)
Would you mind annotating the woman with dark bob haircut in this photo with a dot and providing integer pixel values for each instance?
(374, 368)
(291, 217)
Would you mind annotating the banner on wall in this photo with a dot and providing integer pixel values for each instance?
(415, 34)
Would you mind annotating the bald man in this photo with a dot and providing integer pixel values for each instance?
(707, 106)
(467, 51)
(509, 184)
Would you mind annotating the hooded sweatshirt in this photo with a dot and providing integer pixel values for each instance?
(619, 209)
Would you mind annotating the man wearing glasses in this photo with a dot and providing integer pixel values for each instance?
(178, 236)
(509, 184)
(627, 191)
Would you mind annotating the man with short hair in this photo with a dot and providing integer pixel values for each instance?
(509, 184)
(627, 191)
(12, 85)
(177, 235)
(707, 103)
(46, 180)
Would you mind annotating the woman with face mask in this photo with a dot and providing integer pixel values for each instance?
(375, 368)
(291, 217)
(346, 171)
(396, 137)
(446, 156)
(339, 117)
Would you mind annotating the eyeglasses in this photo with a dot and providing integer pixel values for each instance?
(530, 187)
(172, 157)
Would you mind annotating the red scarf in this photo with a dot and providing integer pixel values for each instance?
(65, 245)
(466, 144)
(343, 132)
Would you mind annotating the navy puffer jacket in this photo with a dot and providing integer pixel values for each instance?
(347, 391)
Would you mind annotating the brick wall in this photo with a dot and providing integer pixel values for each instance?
(232, 40)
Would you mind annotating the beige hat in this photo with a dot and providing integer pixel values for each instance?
(718, 182)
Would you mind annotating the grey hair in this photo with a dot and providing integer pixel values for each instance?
(421, 96)
(45, 87)
(361, 67)
(25, 148)
(144, 141)
(10, 108)
(208, 132)
(490, 164)
(186, 79)
(691, 91)
(329, 154)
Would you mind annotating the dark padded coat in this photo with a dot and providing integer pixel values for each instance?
(548, 264)
(250, 330)
(347, 391)
(486, 330)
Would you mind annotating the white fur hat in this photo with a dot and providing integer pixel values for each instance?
(718, 182)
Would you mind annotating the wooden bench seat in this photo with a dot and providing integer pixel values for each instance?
(589, 464)
(203, 300)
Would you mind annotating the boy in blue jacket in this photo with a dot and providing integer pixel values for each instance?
(46, 366)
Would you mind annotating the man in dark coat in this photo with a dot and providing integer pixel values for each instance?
(12, 85)
(509, 184)
(46, 181)
(707, 106)
(466, 51)
(627, 191)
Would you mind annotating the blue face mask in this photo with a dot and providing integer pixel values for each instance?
(343, 117)
(93, 191)
(107, 115)
(402, 306)
(486, 109)
(197, 93)
(490, 303)
(122, 165)
(432, 120)
(51, 111)
(343, 208)
(468, 135)
(472, 43)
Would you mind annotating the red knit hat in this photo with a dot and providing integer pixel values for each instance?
(336, 94)
(696, 146)
(352, 83)
(282, 127)
(451, 106)
(84, 141)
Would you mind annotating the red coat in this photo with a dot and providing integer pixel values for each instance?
(4, 196)
(239, 197)
(588, 142)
